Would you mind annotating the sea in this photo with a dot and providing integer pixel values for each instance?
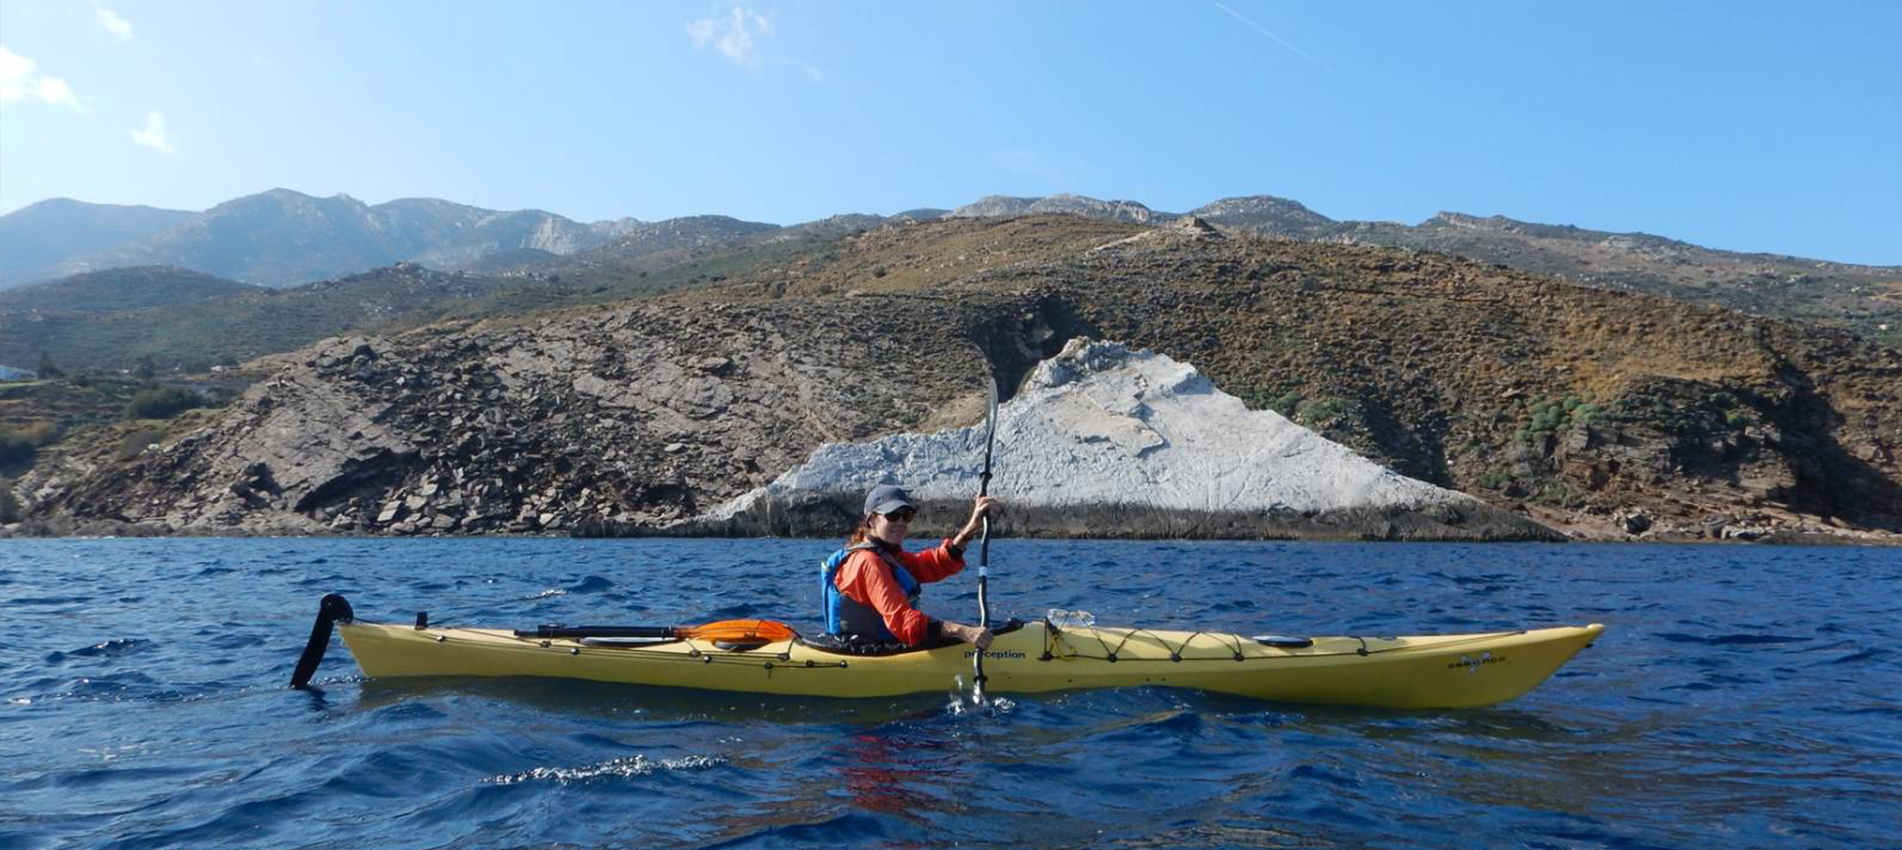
(1740, 697)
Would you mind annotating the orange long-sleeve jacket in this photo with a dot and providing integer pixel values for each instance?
(865, 578)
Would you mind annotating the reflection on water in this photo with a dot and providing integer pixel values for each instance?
(898, 774)
(608, 701)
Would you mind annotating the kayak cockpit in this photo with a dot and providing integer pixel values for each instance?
(838, 645)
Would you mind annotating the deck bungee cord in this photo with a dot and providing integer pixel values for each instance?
(1114, 655)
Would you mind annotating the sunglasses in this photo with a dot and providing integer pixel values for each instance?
(902, 515)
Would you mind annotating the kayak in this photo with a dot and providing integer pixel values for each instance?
(1441, 671)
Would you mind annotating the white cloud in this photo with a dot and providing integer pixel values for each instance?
(734, 36)
(114, 24)
(154, 135)
(18, 82)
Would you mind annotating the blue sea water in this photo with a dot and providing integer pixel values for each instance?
(1741, 697)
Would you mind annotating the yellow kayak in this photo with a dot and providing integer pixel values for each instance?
(1443, 671)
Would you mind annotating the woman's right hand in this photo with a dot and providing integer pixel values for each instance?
(981, 507)
(969, 634)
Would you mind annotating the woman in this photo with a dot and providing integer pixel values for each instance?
(871, 586)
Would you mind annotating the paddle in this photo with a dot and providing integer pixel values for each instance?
(984, 545)
(729, 630)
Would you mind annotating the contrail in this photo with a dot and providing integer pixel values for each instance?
(1278, 39)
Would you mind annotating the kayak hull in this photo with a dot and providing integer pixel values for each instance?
(1445, 671)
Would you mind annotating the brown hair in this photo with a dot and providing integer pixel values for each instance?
(862, 533)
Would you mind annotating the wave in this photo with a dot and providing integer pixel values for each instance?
(1744, 639)
(621, 768)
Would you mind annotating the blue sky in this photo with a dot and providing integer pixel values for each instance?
(1745, 126)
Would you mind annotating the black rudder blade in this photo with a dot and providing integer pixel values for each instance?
(334, 608)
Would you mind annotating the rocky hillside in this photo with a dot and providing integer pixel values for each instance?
(1865, 299)
(111, 319)
(643, 413)
(1608, 414)
(1269, 215)
(1003, 205)
(193, 334)
(1587, 408)
(132, 288)
(654, 246)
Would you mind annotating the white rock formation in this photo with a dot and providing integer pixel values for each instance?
(1100, 425)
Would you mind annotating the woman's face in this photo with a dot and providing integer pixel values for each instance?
(892, 527)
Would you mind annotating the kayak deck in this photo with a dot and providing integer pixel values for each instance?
(1444, 671)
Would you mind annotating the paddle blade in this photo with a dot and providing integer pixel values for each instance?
(740, 631)
(990, 422)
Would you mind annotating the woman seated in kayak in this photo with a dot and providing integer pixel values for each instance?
(871, 586)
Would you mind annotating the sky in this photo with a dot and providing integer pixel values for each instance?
(1751, 126)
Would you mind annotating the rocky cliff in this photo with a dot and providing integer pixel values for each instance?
(1004, 205)
(637, 415)
(1104, 441)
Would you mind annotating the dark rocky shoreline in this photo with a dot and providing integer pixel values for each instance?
(830, 514)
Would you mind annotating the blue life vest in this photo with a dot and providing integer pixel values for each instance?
(848, 616)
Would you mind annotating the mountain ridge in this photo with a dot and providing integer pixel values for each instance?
(340, 235)
(282, 237)
(36, 239)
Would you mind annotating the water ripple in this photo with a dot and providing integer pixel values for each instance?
(1739, 692)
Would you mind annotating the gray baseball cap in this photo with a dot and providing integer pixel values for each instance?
(886, 498)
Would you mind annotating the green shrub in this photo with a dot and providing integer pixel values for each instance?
(1560, 493)
(1554, 415)
(161, 403)
(1320, 411)
(18, 445)
(1286, 403)
(1546, 416)
(1493, 479)
(14, 450)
